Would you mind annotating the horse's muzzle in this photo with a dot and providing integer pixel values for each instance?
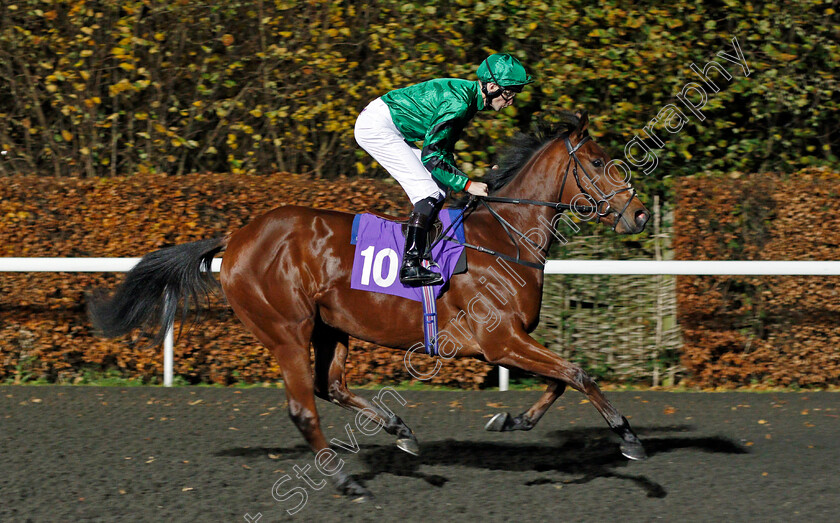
(641, 218)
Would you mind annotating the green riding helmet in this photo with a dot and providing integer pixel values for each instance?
(503, 70)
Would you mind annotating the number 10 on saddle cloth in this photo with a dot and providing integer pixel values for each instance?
(378, 257)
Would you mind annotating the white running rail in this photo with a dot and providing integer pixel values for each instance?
(696, 268)
(700, 268)
(98, 265)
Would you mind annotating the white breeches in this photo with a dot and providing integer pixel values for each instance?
(376, 133)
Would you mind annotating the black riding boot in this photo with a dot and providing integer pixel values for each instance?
(412, 272)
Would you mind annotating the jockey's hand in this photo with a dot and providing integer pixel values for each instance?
(477, 188)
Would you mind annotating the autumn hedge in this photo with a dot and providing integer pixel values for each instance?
(44, 330)
(739, 330)
(736, 330)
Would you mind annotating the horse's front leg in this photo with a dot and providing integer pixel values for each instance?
(503, 421)
(521, 351)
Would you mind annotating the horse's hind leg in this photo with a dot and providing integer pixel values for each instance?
(331, 348)
(503, 421)
(288, 340)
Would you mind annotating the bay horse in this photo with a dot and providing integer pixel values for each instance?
(287, 275)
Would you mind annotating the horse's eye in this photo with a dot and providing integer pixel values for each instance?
(597, 163)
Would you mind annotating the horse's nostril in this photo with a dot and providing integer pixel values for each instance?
(641, 218)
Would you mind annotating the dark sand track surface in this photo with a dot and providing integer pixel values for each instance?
(207, 454)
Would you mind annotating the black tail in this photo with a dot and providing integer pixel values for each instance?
(152, 290)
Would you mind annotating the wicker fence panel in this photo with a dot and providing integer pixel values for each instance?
(619, 328)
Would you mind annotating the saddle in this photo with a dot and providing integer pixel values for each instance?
(380, 241)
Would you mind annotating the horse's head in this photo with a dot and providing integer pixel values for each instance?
(570, 168)
(588, 178)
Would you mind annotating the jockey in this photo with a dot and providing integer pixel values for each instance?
(434, 112)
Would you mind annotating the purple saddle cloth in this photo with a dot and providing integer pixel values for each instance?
(379, 250)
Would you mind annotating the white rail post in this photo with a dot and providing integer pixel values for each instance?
(168, 345)
(504, 375)
(168, 341)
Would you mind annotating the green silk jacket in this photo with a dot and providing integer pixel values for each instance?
(436, 112)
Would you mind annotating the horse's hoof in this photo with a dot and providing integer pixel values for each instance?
(409, 445)
(634, 451)
(362, 498)
(497, 423)
(351, 488)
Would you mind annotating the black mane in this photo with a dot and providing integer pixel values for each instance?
(517, 153)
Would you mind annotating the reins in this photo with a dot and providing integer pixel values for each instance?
(473, 202)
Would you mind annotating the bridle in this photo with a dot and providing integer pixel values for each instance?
(598, 209)
(604, 197)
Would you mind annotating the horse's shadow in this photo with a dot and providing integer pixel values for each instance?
(581, 455)
(585, 454)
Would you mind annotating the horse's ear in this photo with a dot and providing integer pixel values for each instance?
(583, 123)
